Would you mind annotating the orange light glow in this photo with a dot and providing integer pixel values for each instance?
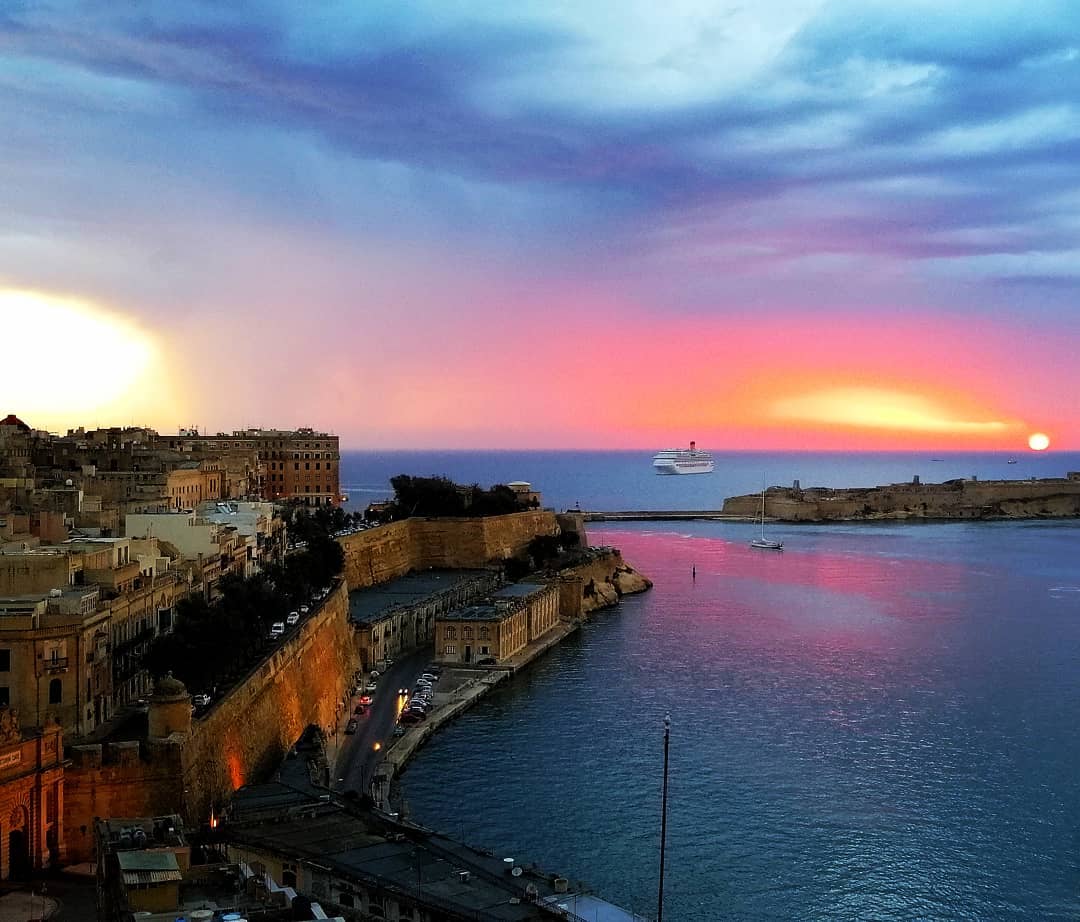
(377, 747)
(882, 408)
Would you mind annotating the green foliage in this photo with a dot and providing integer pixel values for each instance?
(215, 641)
(437, 497)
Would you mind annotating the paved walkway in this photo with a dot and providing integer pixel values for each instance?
(22, 906)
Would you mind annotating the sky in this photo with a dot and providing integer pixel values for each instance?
(782, 224)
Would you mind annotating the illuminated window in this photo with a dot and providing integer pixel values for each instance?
(450, 649)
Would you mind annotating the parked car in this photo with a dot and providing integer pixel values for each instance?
(486, 661)
(375, 674)
(371, 687)
(365, 700)
(411, 717)
(350, 727)
(429, 677)
(277, 629)
(201, 701)
(304, 609)
(360, 710)
(294, 617)
(399, 730)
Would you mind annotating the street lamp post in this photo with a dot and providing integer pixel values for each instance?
(663, 823)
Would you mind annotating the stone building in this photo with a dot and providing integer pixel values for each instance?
(193, 482)
(300, 464)
(398, 616)
(31, 797)
(495, 630)
(54, 657)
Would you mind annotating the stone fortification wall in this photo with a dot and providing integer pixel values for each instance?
(244, 736)
(136, 778)
(967, 499)
(380, 554)
(598, 583)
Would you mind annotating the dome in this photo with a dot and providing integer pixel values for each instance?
(168, 687)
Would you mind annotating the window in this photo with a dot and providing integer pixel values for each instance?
(484, 651)
(56, 692)
(466, 633)
(451, 633)
(5, 661)
(449, 649)
(484, 632)
(5, 696)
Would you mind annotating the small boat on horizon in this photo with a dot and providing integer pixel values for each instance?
(690, 460)
(1011, 461)
(763, 542)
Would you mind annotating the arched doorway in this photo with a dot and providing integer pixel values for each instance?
(19, 845)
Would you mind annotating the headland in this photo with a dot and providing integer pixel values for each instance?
(963, 498)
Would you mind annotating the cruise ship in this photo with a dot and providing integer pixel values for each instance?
(683, 461)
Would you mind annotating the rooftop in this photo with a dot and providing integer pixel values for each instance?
(480, 613)
(519, 590)
(370, 850)
(372, 603)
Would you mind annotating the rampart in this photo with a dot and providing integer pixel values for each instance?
(954, 499)
(598, 582)
(241, 738)
(246, 733)
(383, 553)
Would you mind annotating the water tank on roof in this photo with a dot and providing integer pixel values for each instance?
(55, 593)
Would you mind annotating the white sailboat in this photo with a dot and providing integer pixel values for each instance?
(764, 542)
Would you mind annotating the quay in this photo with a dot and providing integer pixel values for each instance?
(462, 688)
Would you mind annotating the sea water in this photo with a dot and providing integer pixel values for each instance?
(879, 722)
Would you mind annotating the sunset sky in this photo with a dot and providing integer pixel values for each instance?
(780, 224)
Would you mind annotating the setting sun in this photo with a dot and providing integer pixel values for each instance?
(1038, 441)
(102, 365)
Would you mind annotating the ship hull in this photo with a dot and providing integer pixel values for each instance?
(670, 466)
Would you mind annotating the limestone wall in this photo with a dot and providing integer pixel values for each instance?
(242, 738)
(380, 554)
(247, 733)
(968, 499)
(118, 780)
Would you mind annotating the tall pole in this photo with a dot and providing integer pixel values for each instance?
(663, 823)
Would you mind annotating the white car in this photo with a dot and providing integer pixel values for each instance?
(294, 617)
(277, 629)
(304, 609)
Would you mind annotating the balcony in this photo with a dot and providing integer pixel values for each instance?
(55, 665)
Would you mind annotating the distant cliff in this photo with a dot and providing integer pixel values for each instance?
(954, 499)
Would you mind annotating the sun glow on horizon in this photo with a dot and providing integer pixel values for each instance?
(884, 409)
(1038, 441)
(71, 361)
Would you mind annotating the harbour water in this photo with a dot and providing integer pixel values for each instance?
(877, 723)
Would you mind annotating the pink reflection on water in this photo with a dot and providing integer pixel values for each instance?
(826, 600)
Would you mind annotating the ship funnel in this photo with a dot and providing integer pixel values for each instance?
(693, 445)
